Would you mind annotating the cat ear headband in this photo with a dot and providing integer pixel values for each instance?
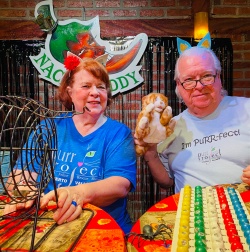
(72, 60)
(183, 45)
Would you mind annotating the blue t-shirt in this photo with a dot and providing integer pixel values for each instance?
(108, 151)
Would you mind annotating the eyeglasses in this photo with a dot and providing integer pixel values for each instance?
(208, 79)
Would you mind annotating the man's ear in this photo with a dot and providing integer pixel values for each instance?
(177, 91)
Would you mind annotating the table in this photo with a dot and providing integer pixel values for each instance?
(164, 212)
(102, 233)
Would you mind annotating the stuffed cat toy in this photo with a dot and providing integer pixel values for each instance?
(152, 124)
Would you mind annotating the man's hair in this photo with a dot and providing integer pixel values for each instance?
(197, 51)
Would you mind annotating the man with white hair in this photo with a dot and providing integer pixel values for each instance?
(211, 140)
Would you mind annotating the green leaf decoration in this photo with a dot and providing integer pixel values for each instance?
(64, 33)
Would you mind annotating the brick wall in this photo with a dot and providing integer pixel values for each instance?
(235, 9)
(222, 13)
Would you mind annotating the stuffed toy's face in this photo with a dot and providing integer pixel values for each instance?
(159, 105)
(159, 100)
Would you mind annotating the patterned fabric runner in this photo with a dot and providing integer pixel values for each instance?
(100, 233)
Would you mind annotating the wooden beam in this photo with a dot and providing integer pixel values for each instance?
(200, 6)
(20, 30)
(227, 27)
(219, 27)
(152, 27)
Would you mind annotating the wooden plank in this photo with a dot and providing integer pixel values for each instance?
(221, 27)
(152, 27)
(20, 29)
(200, 5)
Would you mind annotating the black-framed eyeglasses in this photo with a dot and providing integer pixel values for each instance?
(206, 80)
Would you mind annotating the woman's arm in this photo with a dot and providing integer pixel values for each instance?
(20, 184)
(105, 192)
(100, 193)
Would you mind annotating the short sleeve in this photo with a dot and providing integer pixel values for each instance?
(121, 157)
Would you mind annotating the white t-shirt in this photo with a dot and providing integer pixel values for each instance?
(210, 150)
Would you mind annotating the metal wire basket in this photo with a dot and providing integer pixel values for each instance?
(28, 151)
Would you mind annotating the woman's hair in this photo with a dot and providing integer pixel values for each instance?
(93, 67)
(197, 51)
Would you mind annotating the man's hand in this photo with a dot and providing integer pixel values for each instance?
(246, 175)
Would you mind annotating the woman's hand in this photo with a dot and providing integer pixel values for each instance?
(246, 175)
(23, 191)
(69, 204)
